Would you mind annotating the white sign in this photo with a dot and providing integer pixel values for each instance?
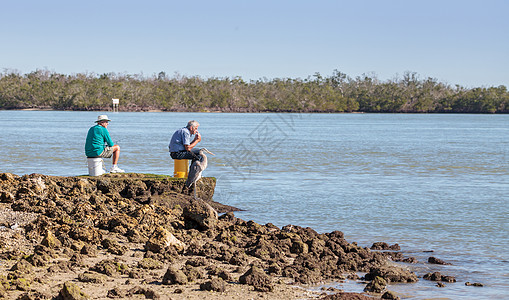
(115, 101)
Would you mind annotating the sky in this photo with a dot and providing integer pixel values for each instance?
(460, 42)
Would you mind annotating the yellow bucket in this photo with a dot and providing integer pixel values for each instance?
(180, 168)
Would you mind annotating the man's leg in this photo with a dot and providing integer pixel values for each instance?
(193, 155)
(116, 154)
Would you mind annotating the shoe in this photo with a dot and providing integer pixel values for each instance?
(116, 169)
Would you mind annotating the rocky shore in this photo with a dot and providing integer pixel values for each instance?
(137, 236)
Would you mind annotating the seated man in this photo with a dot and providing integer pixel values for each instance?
(99, 143)
(181, 146)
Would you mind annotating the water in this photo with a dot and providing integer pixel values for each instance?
(426, 182)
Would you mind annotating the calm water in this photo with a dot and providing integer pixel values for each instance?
(426, 182)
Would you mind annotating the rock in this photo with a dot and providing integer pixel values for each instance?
(70, 291)
(193, 273)
(6, 197)
(436, 276)
(110, 268)
(200, 213)
(390, 295)
(86, 234)
(8, 177)
(161, 239)
(23, 267)
(114, 247)
(437, 261)
(150, 264)
(348, 296)
(376, 285)
(275, 269)
(380, 246)
(92, 277)
(391, 274)
(148, 293)
(197, 262)
(258, 279)
(298, 247)
(34, 296)
(474, 284)
(21, 284)
(116, 293)
(216, 285)
(90, 250)
(174, 276)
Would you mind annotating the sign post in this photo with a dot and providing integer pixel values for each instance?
(115, 104)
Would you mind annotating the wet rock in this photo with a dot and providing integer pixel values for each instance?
(391, 274)
(174, 276)
(390, 295)
(216, 285)
(348, 296)
(200, 214)
(376, 285)
(70, 291)
(380, 246)
(437, 261)
(437, 276)
(161, 239)
(477, 284)
(258, 279)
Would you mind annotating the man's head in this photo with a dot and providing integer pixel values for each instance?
(193, 126)
(103, 120)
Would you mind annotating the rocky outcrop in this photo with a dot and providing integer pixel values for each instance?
(139, 229)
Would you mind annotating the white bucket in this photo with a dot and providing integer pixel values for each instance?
(95, 166)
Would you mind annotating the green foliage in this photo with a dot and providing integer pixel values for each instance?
(336, 93)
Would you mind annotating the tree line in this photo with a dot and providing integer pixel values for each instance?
(43, 89)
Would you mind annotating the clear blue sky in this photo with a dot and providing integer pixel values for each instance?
(455, 41)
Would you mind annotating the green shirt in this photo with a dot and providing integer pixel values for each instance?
(96, 138)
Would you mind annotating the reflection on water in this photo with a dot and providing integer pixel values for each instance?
(426, 182)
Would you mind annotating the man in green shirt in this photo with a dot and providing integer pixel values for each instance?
(99, 143)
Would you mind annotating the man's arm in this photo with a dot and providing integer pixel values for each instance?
(197, 139)
(107, 138)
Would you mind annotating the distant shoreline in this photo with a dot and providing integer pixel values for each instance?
(252, 112)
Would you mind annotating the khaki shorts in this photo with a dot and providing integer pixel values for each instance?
(107, 152)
